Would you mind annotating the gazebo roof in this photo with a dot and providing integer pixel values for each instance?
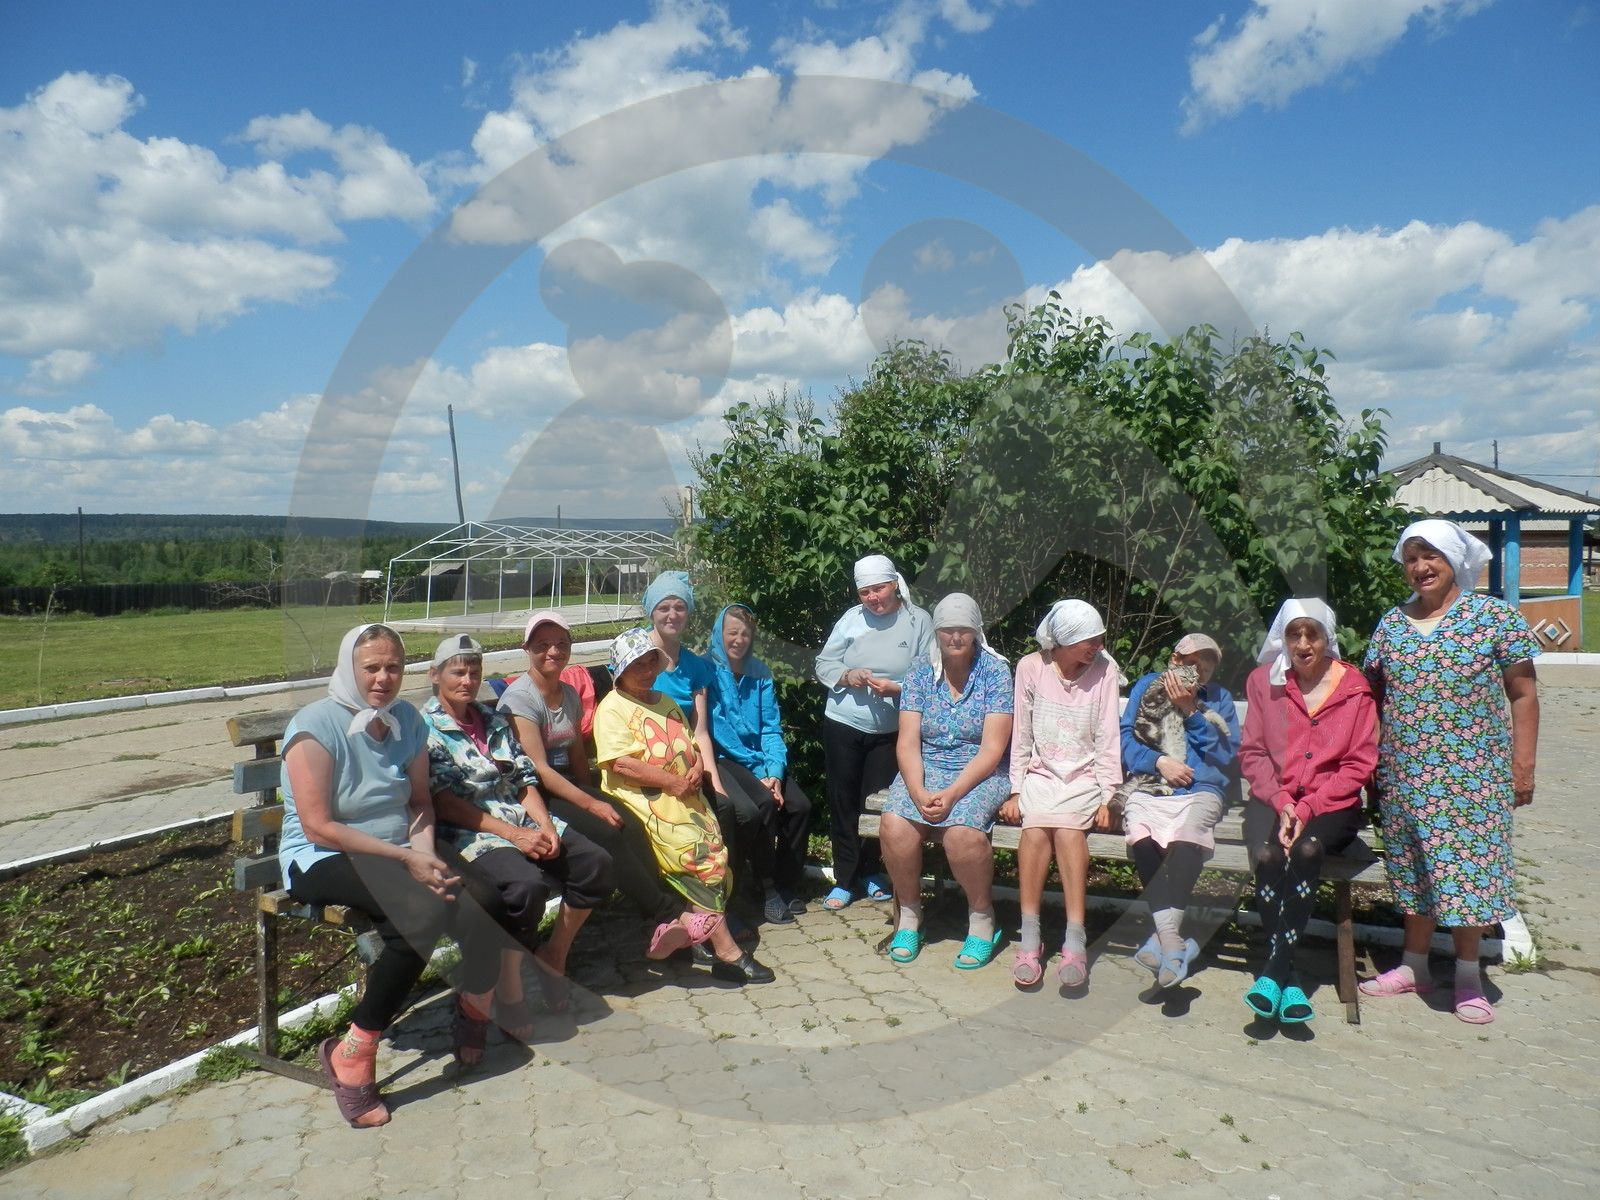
(1454, 487)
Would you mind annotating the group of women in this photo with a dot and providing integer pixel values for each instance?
(470, 817)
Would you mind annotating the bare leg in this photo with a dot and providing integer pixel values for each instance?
(1072, 856)
(1033, 865)
(901, 843)
(1419, 933)
(971, 858)
(553, 954)
(1468, 940)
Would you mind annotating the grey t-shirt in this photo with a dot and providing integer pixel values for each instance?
(558, 727)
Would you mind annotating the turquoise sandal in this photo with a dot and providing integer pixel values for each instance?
(1295, 1007)
(978, 952)
(1263, 998)
(905, 945)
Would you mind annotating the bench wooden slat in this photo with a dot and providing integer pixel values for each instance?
(256, 775)
(253, 824)
(252, 871)
(252, 729)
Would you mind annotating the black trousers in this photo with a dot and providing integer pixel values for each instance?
(1286, 883)
(769, 840)
(633, 862)
(410, 919)
(858, 764)
(1168, 875)
(581, 873)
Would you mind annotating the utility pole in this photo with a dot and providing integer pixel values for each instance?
(80, 545)
(455, 463)
(1496, 445)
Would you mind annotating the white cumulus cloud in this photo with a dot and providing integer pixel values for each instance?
(1281, 47)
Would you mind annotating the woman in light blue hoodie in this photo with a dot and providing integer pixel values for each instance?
(770, 815)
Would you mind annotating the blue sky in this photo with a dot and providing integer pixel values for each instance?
(201, 205)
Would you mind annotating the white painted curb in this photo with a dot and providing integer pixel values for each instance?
(584, 653)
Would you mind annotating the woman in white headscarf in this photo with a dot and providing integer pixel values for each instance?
(1309, 746)
(955, 731)
(358, 830)
(1065, 763)
(862, 665)
(1443, 667)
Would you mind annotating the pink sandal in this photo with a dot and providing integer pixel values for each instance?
(700, 925)
(1074, 969)
(1028, 969)
(668, 939)
(1473, 1007)
(1396, 981)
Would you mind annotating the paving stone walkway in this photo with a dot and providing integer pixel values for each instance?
(852, 1076)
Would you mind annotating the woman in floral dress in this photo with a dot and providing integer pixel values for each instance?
(1443, 666)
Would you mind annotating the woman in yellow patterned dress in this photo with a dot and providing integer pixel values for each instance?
(649, 763)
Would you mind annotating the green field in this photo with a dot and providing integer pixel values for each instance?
(78, 657)
(85, 658)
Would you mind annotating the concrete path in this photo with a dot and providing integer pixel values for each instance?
(855, 1077)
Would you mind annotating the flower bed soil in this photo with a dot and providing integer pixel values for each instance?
(123, 962)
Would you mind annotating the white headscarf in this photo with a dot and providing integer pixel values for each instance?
(1071, 621)
(1273, 649)
(342, 686)
(879, 568)
(958, 611)
(1465, 553)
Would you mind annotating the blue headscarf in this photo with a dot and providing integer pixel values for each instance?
(668, 583)
(732, 715)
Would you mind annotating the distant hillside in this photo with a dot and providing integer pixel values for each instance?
(47, 529)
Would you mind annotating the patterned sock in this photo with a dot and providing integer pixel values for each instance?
(1031, 940)
(1077, 939)
(1169, 929)
(981, 925)
(910, 916)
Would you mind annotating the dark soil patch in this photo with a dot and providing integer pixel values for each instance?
(120, 963)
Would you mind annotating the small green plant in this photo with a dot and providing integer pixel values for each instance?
(808, 1024)
(1245, 1138)
(1226, 1118)
(197, 946)
(1083, 1107)
(115, 1079)
(221, 1064)
(1181, 1153)
(891, 1021)
(13, 1147)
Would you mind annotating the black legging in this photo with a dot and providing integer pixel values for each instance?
(634, 872)
(770, 839)
(410, 919)
(1286, 883)
(858, 764)
(1168, 875)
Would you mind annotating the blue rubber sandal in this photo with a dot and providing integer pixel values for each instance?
(978, 952)
(839, 898)
(1176, 963)
(877, 892)
(1295, 1007)
(1148, 955)
(1263, 998)
(905, 945)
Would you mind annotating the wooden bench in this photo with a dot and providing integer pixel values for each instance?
(257, 870)
(1362, 862)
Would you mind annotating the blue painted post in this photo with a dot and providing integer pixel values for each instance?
(1513, 561)
(1575, 557)
(1496, 551)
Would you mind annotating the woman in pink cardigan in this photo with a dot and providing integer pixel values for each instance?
(1310, 744)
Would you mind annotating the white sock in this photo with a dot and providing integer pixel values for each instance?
(910, 917)
(1031, 939)
(981, 925)
(1417, 964)
(1169, 928)
(1468, 977)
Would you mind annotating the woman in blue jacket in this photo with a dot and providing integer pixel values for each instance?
(1169, 827)
(770, 813)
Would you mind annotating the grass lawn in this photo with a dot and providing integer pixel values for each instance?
(86, 657)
